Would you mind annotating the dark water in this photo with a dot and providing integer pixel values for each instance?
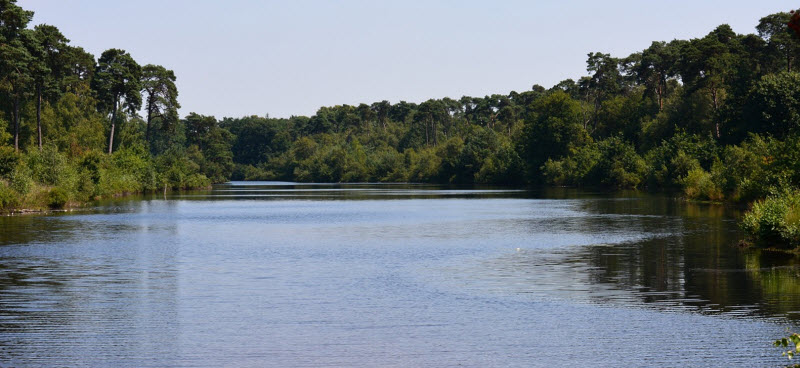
(270, 274)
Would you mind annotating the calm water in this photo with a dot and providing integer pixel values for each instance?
(284, 275)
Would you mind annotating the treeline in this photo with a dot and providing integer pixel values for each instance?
(70, 129)
(717, 117)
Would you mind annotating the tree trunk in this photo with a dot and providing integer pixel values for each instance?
(427, 143)
(113, 121)
(660, 92)
(435, 132)
(789, 63)
(147, 130)
(716, 107)
(39, 116)
(16, 123)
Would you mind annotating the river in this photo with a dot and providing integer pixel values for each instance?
(269, 274)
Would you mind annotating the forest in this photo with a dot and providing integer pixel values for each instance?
(715, 118)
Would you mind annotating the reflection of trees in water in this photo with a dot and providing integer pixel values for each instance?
(697, 267)
(777, 277)
(63, 280)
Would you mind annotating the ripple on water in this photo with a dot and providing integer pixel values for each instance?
(387, 275)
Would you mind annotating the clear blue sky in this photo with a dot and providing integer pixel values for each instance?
(282, 58)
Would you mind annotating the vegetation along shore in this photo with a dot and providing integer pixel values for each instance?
(716, 117)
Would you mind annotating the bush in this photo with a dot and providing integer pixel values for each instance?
(619, 165)
(775, 221)
(21, 180)
(612, 162)
(699, 184)
(9, 198)
(196, 181)
(9, 159)
(741, 171)
(573, 169)
(672, 161)
(57, 198)
(47, 166)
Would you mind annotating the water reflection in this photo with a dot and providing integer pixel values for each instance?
(286, 274)
(685, 258)
(62, 287)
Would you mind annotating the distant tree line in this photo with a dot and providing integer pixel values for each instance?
(717, 117)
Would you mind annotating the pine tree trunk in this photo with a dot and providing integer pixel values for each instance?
(39, 117)
(716, 107)
(147, 130)
(113, 122)
(433, 132)
(660, 92)
(16, 123)
(427, 142)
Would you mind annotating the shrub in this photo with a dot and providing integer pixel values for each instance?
(9, 198)
(612, 162)
(47, 166)
(672, 161)
(9, 159)
(573, 169)
(387, 164)
(196, 181)
(619, 165)
(21, 180)
(699, 184)
(57, 198)
(775, 221)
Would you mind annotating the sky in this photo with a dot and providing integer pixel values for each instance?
(236, 58)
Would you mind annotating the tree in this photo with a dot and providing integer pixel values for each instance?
(656, 66)
(49, 69)
(15, 58)
(80, 67)
(381, 110)
(197, 127)
(707, 64)
(552, 131)
(780, 40)
(162, 95)
(605, 81)
(117, 84)
(774, 104)
(257, 139)
(367, 116)
(218, 158)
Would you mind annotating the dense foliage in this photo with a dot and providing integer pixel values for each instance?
(70, 130)
(775, 220)
(716, 117)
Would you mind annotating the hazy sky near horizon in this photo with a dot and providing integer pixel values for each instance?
(282, 58)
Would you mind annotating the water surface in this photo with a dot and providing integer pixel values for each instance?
(284, 274)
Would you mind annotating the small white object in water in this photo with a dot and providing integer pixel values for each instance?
(519, 249)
